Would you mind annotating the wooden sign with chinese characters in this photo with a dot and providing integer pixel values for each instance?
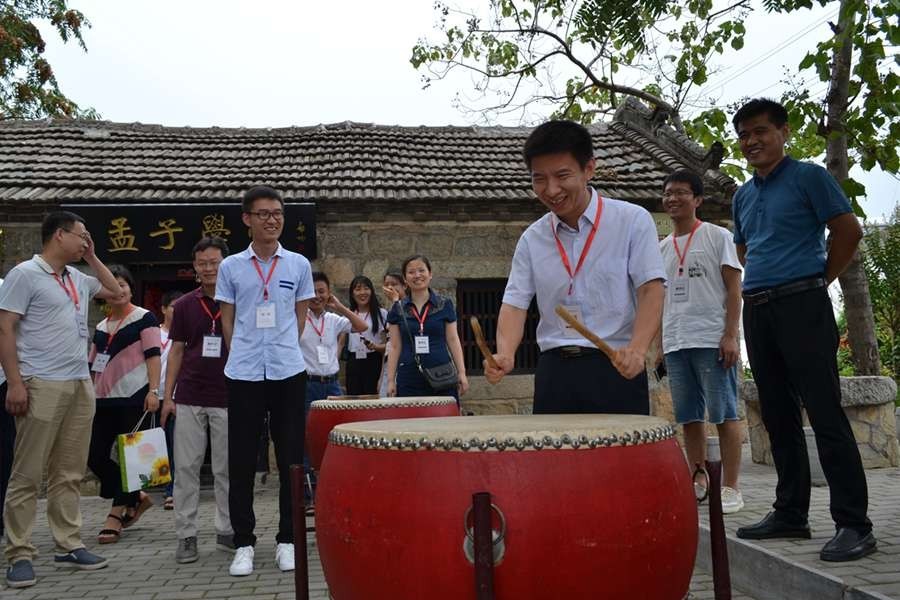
(166, 233)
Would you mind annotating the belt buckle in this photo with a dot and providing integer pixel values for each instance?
(571, 351)
(759, 297)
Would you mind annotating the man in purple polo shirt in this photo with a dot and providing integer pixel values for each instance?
(196, 371)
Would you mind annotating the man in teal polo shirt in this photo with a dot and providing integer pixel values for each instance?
(780, 218)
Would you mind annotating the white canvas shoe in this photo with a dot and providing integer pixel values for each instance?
(284, 556)
(732, 500)
(242, 565)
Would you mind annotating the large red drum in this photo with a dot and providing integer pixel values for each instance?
(325, 414)
(585, 506)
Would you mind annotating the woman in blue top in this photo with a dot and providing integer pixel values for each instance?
(424, 325)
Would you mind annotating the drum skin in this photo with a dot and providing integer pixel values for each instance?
(615, 522)
(320, 422)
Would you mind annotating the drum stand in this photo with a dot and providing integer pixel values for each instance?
(301, 568)
(484, 546)
(717, 543)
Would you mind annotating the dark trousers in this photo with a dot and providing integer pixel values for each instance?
(792, 343)
(248, 403)
(587, 384)
(363, 374)
(7, 444)
(411, 382)
(109, 422)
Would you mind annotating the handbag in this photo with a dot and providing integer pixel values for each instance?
(439, 377)
(143, 457)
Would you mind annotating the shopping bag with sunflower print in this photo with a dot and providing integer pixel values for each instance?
(143, 458)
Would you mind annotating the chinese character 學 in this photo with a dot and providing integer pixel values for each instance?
(167, 227)
(120, 235)
(214, 226)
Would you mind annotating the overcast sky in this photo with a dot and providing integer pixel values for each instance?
(278, 63)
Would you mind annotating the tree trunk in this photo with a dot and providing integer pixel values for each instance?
(855, 286)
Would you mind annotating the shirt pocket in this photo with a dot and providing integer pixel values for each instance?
(609, 286)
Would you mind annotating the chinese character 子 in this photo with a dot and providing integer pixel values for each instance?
(214, 226)
(120, 235)
(167, 228)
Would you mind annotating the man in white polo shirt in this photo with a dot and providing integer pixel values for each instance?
(263, 293)
(597, 257)
(43, 350)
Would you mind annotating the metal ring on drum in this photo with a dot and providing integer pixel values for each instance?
(584, 506)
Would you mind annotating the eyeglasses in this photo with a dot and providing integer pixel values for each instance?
(678, 194)
(265, 215)
(208, 264)
(84, 236)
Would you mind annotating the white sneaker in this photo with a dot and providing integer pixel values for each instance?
(242, 565)
(732, 500)
(284, 556)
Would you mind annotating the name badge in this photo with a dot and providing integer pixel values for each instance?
(568, 330)
(265, 316)
(100, 362)
(81, 322)
(361, 354)
(322, 355)
(680, 290)
(212, 346)
(422, 344)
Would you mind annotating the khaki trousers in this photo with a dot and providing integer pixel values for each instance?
(55, 433)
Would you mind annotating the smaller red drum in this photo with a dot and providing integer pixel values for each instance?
(324, 415)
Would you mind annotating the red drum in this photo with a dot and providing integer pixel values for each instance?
(584, 506)
(325, 414)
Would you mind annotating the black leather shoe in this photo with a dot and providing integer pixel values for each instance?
(774, 525)
(848, 544)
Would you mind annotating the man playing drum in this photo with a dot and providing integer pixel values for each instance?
(598, 258)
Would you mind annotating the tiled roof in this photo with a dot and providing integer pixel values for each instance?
(97, 161)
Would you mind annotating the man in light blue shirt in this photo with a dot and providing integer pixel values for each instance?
(597, 257)
(263, 292)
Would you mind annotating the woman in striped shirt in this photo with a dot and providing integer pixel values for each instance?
(125, 361)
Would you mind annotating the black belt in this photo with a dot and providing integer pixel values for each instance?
(323, 378)
(572, 351)
(788, 289)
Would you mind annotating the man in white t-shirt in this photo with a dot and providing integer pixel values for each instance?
(701, 327)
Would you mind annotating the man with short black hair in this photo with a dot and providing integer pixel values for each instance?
(780, 218)
(44, 353)
(598, 258)
(195, 366)
(263, 293)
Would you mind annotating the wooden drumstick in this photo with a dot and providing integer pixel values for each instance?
(587, 333)
(482, 345)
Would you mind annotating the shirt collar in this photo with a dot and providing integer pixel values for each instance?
(279, 252)
(588, 216)
(781, 166)
(408, 300)
(45, 266)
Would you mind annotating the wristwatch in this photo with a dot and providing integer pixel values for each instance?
(155, 392)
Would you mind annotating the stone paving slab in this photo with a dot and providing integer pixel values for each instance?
(143, 566)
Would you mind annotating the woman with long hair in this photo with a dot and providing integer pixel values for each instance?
(366, 348)
(423, 336)
(125, 362)
(394, 289)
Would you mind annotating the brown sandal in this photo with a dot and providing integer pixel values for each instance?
(111, 536)
(145, 503)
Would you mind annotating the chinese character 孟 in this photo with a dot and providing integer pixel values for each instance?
(120, 235)
(214, 226)
(168, 228)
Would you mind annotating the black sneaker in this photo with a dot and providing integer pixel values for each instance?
(20, 574)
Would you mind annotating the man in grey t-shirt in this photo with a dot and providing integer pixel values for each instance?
(43, 351)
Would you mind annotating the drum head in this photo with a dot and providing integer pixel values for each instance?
(358, 404)
(504, 432)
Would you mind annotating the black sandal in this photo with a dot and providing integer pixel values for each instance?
(110, 536)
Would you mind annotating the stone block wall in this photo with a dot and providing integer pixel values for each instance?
(868, 403)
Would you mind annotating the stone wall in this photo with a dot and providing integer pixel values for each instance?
(869, 405)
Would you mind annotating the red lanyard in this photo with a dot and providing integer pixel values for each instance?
(268, 278)
(165, 344)
(584, 251)
(678, 253)
(320, 331)
(421, 319)
(118, 326)
(70, 291)
(209, 313)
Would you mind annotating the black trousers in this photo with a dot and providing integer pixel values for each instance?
(587, 384)
(792, 343)
(248, 404)
(109, 422)
(363, 374)
(7, 445)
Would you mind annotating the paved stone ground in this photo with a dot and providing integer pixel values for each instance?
(879, 572)
(143, 568)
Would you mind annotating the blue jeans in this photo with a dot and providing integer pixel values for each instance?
(699, 384)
